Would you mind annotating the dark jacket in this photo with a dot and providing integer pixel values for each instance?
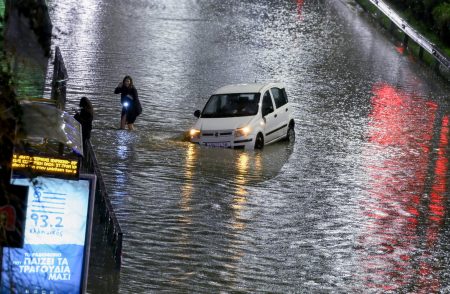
(129, 95)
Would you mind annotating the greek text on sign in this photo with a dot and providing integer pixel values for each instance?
(45, 165)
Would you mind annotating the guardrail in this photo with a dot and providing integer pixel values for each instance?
(412, 33)
(103, 204)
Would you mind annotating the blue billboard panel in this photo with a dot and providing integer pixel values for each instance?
(55, 254)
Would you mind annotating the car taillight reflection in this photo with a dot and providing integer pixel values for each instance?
(404, 206)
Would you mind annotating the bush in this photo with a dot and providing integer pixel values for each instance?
(441, 19)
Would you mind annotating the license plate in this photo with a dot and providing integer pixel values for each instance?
(218, 144)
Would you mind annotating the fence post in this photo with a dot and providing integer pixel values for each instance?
(59, 80)
(405, 40)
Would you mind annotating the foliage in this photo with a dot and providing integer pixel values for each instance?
(441, 17)
(433, 14)
(10, 111)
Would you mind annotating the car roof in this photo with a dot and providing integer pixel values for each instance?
(246, 88)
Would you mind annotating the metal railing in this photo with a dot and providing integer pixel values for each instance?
(103, 204)
(412, 33)
(90, 165)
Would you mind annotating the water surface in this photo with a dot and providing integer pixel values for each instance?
(358, 204)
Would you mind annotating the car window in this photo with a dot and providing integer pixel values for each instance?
(267, 106)
(216, 104)
(229, 105)
(279, 96)
(285, 95)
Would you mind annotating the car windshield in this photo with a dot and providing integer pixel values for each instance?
(231, 105)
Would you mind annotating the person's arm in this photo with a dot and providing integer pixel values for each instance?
(84, 117)
(118, 89)
(77, 117)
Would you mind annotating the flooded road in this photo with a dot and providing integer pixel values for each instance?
(358, 204)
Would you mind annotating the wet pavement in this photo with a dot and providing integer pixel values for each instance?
(358, 204)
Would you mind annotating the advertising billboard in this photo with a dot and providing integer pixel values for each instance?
(55, 255)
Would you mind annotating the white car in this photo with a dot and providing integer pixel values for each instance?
(244, 116)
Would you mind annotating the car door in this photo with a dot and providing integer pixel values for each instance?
(268, 113)
(281, 111)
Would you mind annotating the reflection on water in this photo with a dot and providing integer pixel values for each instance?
(406, 184)
(300, 4)
(188, 186)
(429, 279)
(357, 204)
(239, 201)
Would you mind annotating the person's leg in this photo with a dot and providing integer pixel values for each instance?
(131, 118)
(123, 121)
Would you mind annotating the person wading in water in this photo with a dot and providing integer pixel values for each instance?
(131, 106)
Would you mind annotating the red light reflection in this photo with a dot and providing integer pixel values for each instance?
(300, 8)
(400, 49)
(399, 156)
(439, 187)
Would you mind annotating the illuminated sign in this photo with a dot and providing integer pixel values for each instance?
(13, 201)
(45, 165)
(55, 254)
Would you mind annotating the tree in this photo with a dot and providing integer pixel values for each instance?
(441, 19)
(10, 112)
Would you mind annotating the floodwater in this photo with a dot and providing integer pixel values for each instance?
(358, 204)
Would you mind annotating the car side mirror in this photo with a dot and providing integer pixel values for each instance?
(197, 113)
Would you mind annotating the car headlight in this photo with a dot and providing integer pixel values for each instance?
(194, 133)
(242, 132)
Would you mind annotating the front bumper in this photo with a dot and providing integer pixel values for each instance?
(225, 139)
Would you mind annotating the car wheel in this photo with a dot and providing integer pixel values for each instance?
(259, 141)
(290, 136)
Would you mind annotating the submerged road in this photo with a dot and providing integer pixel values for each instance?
(358, 204)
